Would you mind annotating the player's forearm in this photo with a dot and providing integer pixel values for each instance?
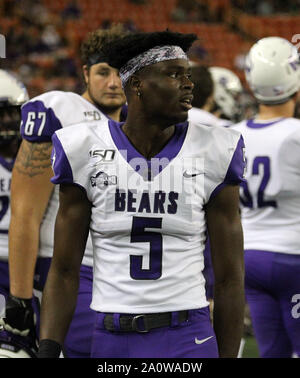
(23, 251)
(228, 316)
(58, 304)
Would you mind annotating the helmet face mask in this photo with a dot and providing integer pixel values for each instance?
(12, 95)
(273, 70)
(227, 90)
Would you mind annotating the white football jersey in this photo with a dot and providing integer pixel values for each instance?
(5, 179)
(207, 118)
(41, 117)
(270, 199)
(148, 222)
(224, 122)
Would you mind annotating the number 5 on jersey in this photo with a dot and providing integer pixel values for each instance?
(139, 235)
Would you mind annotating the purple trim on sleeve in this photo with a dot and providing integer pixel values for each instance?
(169, 152)
(7, 164)
(258, 125)
(235, 172)
(38, 122)
(60, 164)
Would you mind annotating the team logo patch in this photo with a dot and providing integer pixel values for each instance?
(101, 179)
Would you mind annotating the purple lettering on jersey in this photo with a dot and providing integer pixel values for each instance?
(235, 172)
(120, 200)
(159, 200)
(169, 152)
(38, 122)
(145, 203)
(60, 164)
(131, 200)
(253, 125)
(172, 208)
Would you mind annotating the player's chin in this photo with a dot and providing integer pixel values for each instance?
(113, 103)
(181, 116)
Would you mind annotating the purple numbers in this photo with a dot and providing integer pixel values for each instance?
(247, 198)
(4, 201)
(139, 235)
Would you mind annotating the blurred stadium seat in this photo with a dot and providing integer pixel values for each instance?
(220, 39)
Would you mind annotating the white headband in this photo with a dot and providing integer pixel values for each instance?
(154, 55)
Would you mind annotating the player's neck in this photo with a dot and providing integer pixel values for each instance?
(285, 110)
(115, 115)
(148, 139)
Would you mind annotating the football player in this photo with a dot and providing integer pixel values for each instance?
(12, 95)
(203, 92)
(270, 197)
(227, 92)
(203, 105)
(166, 181)
(34, 199)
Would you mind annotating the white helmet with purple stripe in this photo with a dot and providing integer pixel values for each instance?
(272, 70)
(227, 87)
(12, 95)
(12, 91)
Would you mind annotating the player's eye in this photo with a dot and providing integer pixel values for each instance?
(103, 73)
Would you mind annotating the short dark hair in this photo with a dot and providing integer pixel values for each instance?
(94, 41)
(203, 85)
(120, 51)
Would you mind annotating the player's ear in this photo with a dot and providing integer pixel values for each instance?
(85, 71)
(134, 83)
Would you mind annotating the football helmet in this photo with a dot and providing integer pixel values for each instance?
(12, 95)
(227, 88)
(272, 70)
(12, 346)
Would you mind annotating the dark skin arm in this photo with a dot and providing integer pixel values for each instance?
(60, 293)
(226, 241)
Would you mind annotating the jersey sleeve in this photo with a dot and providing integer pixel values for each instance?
(60, 164)
(39, 121)
(236, 168)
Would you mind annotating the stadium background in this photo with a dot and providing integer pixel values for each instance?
(43, 37)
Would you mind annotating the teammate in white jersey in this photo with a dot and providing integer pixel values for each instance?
(203, 103)
(228, 89)
(12, 95)
(147, 189)
(203, 92)
(35, 203)
(270, 198)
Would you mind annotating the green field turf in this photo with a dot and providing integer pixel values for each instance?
(250, 349)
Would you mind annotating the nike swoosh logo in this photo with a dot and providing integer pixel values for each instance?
(202, 341)
(188, 175)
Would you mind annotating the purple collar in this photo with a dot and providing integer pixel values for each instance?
(259, 125)
(169, 151)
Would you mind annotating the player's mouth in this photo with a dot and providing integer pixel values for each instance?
(113, 95)
(186, 102)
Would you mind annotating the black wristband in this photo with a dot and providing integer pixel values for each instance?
(49, 349)
(20, 301)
